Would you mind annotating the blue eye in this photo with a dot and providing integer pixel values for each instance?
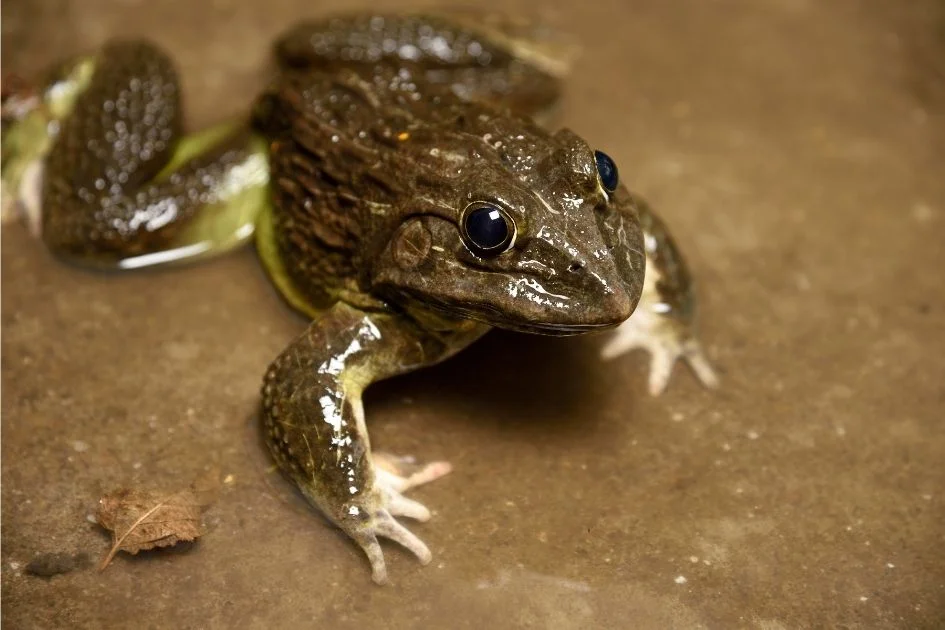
(487, 229)
(607, 171)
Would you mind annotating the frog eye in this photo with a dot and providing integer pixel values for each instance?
(487, 229)
(607, 171)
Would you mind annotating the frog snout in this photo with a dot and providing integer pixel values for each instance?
(616, 305)
(604, 300)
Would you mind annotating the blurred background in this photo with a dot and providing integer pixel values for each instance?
(796, 150)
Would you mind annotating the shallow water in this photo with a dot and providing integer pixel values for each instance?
(796, 150)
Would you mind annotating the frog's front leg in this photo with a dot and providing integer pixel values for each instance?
(664, 321)
(315, 429)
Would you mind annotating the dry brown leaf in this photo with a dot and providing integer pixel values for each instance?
(140, 520)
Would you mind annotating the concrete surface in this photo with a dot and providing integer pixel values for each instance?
(795, 147)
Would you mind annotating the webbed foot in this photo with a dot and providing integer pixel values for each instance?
(393, 476)
(666, 340)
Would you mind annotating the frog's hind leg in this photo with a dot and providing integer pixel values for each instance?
(26, 140)
(481, 56)
(121, 187)
(663, 323)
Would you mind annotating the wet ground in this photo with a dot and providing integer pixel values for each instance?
(796, 147)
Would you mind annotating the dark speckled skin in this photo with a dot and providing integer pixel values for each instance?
(477, 56)
(103, 201)
(381, 131)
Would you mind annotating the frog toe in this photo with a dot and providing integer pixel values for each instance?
(388, 527)
(698, 362)
(399, 505)
(664, 355)
(368, 542)
(402, 473)
(666, 341)
(384, 525)
(395, 475)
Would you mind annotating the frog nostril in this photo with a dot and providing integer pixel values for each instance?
(577, 265)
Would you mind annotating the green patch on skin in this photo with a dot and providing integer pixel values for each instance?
(269, 255)
(27, 141)
(242, 196)
(60, 95)
(227, 222)
(195, 144)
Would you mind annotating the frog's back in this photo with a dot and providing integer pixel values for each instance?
(333, 135)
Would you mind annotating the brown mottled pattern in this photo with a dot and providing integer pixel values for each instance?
(353, 152)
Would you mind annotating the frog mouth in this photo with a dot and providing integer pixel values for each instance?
(557, 330)
(526, 305)
(546, 311)
(542, 327)
(497, 319)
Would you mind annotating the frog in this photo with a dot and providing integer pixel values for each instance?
(402, 194)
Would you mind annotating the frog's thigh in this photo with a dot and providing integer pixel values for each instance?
(480, 58)
(123, 189)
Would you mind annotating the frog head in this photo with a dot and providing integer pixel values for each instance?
(516, 228)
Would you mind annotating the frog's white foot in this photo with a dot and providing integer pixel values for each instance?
(394, 476)
(667, 341)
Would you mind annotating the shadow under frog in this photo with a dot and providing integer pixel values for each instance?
(535, 385)
(398, 192)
